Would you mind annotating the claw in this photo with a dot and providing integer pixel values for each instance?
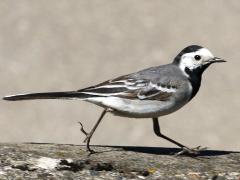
(90, 152)
(84, 132)
(82, 129)
(192, 152)
(86, 139)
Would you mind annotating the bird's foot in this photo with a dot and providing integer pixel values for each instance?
(87, 139)
(191, 151)
(83, 131)
(88, 136)
(90, 151)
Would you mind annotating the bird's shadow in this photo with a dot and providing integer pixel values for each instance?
(154, 150)
(166, 151)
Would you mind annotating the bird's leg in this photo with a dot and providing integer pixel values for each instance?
(185, 149)
(157, 131)
(82, 129)
(89, 135)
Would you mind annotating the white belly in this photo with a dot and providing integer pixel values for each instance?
(136, 108)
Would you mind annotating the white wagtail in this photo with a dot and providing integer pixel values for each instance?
(149, 93)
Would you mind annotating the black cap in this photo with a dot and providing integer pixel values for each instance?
(189, 49)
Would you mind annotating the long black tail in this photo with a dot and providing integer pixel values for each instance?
(47, 95)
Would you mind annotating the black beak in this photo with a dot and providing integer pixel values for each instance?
(217, 60)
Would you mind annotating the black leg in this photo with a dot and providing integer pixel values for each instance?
(185, 149)
(89, 135)
(157, 131)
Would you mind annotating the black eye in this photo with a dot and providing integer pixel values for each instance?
(197, 57)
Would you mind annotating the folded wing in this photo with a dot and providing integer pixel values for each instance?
(130, 88)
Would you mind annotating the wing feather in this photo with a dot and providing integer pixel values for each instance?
(130, 88)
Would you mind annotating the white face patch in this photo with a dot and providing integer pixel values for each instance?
(188, 60)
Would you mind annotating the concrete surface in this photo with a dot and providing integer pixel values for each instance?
(69, 44)
(60, 161)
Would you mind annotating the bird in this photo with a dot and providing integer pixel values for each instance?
(149, 93)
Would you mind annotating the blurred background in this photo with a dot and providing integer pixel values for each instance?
(71, 44)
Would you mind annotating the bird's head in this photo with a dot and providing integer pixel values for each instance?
(195, 59)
